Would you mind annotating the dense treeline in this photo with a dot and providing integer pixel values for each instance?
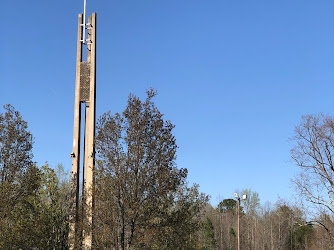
(143, 200)
(279, 226)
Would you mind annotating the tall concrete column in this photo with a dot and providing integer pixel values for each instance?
(80, 234)
(89, 156)
(74, 216)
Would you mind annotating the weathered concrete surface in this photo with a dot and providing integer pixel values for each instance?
(89, 141)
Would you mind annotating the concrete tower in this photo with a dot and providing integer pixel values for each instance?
(80, 234)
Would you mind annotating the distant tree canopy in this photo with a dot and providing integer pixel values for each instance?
(228, 205)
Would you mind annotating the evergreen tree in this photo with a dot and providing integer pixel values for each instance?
(141, 196)
(209, 233)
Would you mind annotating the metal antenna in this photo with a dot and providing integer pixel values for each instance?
(84, 25)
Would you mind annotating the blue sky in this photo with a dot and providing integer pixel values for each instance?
(233, 76)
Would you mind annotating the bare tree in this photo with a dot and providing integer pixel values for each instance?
(313, 153)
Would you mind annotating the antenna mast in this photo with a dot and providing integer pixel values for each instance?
(84, 25)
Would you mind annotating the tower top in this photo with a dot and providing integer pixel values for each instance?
(84, 25)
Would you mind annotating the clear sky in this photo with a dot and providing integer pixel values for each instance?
(235, 77)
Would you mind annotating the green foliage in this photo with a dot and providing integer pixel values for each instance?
(53, 207)
(142, 199)
(178, 226)
(33, 202)
(301, 236)
(15, 148)
(209, 235)
(227, 205)
(252, 202)
(40, 219)
(232, 233)
(19, 180)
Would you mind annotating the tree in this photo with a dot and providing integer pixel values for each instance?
(251, 206)
(323, 228)
(52, 208)
(209, 234)
(34, 202)
(19, 178)
(15, 147)
(252, 202)
(229, 205)
(179, 224)
(227, 223)
(16, 165)
(137, 181)
(313, 153)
